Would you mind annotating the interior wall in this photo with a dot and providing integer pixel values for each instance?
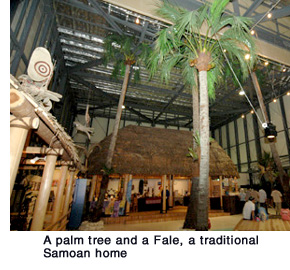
(238, 143)
(180, 186)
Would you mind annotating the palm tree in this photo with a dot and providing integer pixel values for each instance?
(196, 40)
(125, 51)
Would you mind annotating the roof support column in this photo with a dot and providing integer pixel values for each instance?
(59, 195)
(44, 191)
(171, 179)
(163, 202)
(19, 128)
(68, 193)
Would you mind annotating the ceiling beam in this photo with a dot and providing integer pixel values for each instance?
(90, 64)
(106, 95)
(170, 102)
(108, 18)
(253, 7)
(276, 14)
(264, 49)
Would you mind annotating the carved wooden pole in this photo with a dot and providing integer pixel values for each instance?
(19, 128)
(59, 195)
(164, 194)
(44, 191)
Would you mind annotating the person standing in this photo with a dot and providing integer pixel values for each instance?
(277, 199)
(242, 197)
(263, 199)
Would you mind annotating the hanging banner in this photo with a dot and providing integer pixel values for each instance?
(129, 190)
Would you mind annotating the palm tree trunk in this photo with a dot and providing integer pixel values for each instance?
(105, 177)
(202, 215)
(191, 214)
(272, 144)
(117, 119)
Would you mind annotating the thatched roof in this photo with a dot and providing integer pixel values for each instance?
(154, 152)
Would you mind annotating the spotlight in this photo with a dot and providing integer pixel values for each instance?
(283, 69)
(288, 93)
(270, 132)
(252, 111)
(224, 50)
(274, 100)
(123, 107)
(252, 32)
(266, 63)
(243, 116)
(242, 92)
(269, 15)
(247, 56)
(137, 21)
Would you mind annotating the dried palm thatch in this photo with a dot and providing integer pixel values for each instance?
(155, 152)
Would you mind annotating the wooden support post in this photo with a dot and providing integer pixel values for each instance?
(126, 180)
(59, 195)
(19, 128)
(93, 187)
(68, 192)
(221, 191)
(189, 187)
(44, 191)
(171, 191)
(163, 179)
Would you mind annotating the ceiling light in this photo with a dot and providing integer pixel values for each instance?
(247, 56)
(252, 32)
(242, 92)
(269, 15)
(266, 63)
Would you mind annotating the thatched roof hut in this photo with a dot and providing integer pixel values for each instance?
(155, 152)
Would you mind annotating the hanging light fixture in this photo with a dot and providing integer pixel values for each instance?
(270, 132)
